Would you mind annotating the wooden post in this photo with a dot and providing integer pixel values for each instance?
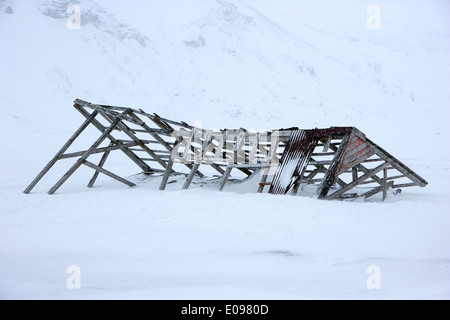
(100, 164)
(142, 145)
(385, 176)
(108, 173)
(61, 152)
(141, 164)
(166, 175)
(225, 178)
(191, 175)
(376, 190)
(355, 173)
(263, 181)
(326, 144)
(330, 175)
(98, 150)
(83, 158)
(207, 137)
(360, 179)
(166, 145)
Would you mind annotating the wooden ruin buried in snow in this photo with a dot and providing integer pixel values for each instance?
(333, 163)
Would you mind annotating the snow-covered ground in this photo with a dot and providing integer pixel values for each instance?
(256, 64)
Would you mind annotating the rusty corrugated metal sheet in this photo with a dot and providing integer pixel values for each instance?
(297, 155)
(295, 158)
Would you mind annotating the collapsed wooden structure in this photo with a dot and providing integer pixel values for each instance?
(333, 163)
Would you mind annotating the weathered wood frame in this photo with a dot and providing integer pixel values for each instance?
(121, 120)
(350, 151)
(346, 159)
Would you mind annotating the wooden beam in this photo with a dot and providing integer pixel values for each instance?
(100, 164)
(385, 187)
(155, 135)
(375, 178)
(357, 181)
(330, 176)
(326, 144)
(375, 190)
(141, 164)
(318, 154)
(111, 147)
(89, 119)
(190, 176)
(225, 177)
(84, 157)
(108, 173)
(405, 185)
(142, 145)
(398, 165)
(250, 166)
(355, 173)
(263, 180)
(166, 175)
(396, 177)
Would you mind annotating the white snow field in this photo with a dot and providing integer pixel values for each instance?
(256, 64)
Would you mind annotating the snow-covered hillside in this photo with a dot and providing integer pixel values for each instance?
(256, 64)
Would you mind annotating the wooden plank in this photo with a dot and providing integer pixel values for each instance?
(142, 145)
(250, 166)
(146, 141)
(385, 187)
(375, 178)
(100, 164)
(159, 156)
(318, 154)
(405, 185)
(263, 180)
(161, 123)
(318, 163)
(84, 157)
(310, 181)
(225, 177)
(132, 135)
(330, 175)
(58, 155)
(410, 174)
(140, 111)
(108, 173)
(352, 160)
(365, 176)
(368, 182)
(141, 164)
(396, 177)
(110, 115)
(111, 147)
(191, 175)
(372, 160)
(326, 144)
(166, 176)
(348, 196)
(355, 173)
(375, 190)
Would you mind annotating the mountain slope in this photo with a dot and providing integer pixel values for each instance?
(227, 64)
(257, 64)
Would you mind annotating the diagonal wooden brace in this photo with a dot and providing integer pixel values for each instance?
(89, 119)
(84, 157)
